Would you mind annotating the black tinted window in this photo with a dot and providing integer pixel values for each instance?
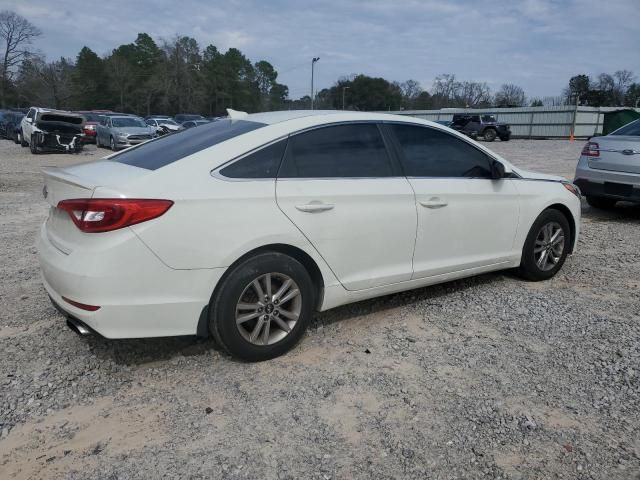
(170, 148)
(632, 128)
(261, 164)
(427, 152)
(339, 151)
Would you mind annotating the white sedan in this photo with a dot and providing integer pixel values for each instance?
(241, 228)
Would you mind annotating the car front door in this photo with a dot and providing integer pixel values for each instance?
(466, 219)
(340, 187)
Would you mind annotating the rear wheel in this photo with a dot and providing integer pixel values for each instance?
(112, 144)
(601, 202)
(263, 307)
(546, 246)
(489, 135)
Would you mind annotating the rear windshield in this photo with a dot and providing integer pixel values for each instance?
(632, 128)
(171, 148)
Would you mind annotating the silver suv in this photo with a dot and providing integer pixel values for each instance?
(609, 167)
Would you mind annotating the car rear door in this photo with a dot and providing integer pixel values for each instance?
(465, 219)
(345, 193)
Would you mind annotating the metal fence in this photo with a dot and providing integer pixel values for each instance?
(534, 122)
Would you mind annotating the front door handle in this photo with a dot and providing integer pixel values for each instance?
(315, 207)
(434, 202)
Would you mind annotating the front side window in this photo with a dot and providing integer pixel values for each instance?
(340, 151)
(171, 148)
(427, 152)
(263, 163)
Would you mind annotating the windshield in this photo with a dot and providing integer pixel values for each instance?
(488, 118)
(632, 128)
(127, 122)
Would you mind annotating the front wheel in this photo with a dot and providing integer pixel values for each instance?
(263, 307)
(33, 144)
(21, 139)
(112, 144)
(546, 246)
(489, 135)
(601, 202)
(505, 138)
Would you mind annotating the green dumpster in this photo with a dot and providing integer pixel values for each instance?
(618, 118)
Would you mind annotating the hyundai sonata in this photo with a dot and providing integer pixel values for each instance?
(241, 228)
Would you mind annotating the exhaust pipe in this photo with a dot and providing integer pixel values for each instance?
(78, 327)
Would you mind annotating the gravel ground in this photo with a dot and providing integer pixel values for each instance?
(489, 377)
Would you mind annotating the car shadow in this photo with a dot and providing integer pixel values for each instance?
(145, 351)
(622, 212)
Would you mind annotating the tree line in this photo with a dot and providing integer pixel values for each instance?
(178, 75)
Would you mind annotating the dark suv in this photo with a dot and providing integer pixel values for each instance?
(485, 126)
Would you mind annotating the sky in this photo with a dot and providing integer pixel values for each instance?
(537, 44)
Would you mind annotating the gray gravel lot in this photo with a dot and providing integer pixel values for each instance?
(489, 377)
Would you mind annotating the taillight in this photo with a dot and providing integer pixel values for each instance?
(591, 149)
(94, 215)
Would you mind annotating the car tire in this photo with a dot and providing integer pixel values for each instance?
(112, 144)
(601, 202)
(489, 135)
(505, 138)
(97, 142)
(32, 145)
(21, 138)
(537, 265)
(238, 296)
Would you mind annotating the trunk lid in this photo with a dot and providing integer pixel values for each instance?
(79, 181)
(617, 153)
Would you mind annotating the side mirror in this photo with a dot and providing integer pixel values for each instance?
(29, 120)
(497, 170)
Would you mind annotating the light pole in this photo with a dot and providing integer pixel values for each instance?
(343, 90)
(313, 62)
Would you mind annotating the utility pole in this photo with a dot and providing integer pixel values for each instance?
(343, 90)
(313, 62)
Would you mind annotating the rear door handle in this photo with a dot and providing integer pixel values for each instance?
(434, 202)
(315, 207)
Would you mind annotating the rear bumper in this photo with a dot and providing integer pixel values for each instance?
(137, 294)
(607, 183)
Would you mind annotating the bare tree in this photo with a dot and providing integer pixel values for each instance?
(510, 95)
(473, 94)
(16, 34)
(622, 81)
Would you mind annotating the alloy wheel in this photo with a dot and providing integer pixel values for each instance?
(268, 309)
(549, 246)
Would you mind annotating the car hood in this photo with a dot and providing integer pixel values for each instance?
(133, 130)
(169, 126)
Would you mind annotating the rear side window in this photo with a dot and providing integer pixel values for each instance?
(427, 152)
(261, 164)
(341, 151)
(170, 148)
(632, 128)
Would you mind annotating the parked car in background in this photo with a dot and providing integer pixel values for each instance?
(241, 228)
(120, 131)
(92, 119)
(12, 126)
(184, 117)
(194, 123)
(47, 130)
(485, 126)
(163, 125)
(8, 119)
(608, 170)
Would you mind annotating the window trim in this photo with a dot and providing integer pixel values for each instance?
(400, 153)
